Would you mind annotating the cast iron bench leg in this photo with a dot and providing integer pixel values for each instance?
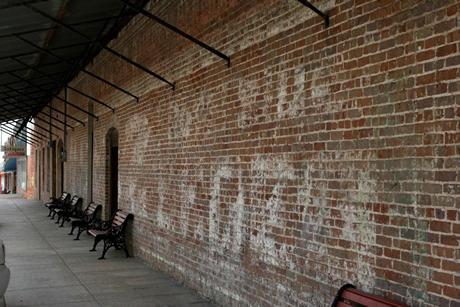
(97, 239)
(106, 248)
(64, 218)
(73, 228)
(80, 231)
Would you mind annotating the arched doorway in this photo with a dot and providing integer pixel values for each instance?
(111, 171)
(59, 184)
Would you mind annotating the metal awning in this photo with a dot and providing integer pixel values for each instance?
(10, 165)
(44, 44)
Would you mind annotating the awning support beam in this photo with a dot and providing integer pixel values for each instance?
(89, 39)
(56, 82)
(57, 97)
(43, 50)
(325, 16)
(66, 115)
(47, 106)
(2, 128)
(178, 31)
(29, 120)
(23, 133)
(21, 136)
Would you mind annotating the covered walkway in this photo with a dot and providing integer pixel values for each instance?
(48, 268)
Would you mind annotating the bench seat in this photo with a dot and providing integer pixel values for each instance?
(112, 232)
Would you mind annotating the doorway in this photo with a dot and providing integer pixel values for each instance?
(112, 172)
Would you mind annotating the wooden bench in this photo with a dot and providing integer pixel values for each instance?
(57, 202)
(349, 296)
(71, 209)
(87, 220)
(112, 233)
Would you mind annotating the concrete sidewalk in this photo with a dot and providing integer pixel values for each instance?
(49, 268)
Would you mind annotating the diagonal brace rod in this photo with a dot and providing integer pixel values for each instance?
(56, 82)
(57, 97)
(177, 30)
(89, 39)
(43, 50)
(317, 11)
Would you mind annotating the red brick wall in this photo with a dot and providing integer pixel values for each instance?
(31, 188)
(320, 157)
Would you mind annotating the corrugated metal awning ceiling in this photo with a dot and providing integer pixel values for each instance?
(38, 55)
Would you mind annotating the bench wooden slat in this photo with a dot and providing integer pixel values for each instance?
(343, 304)
(113, 236)
(368, 299)
(95, 232)
(349, 296)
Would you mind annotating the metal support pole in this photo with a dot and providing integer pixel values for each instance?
(82, 69)
(50, 128)
(64, 147)
(177, 30)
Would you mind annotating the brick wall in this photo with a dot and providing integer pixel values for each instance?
(31, 189)
(320, 157)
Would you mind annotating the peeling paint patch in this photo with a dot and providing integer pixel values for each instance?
(138, 200)
(222, 173)
(187, 192)
(247, 91)
(163, 220)
(182, 120)
(268, 209)
(239, 216)
(137, 131)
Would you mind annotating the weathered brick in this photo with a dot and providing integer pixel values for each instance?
(319, 154)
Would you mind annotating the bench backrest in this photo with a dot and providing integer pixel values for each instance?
(348, 296)
(75, 203)
(65, 197)
(120, 220)
(91, 211)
